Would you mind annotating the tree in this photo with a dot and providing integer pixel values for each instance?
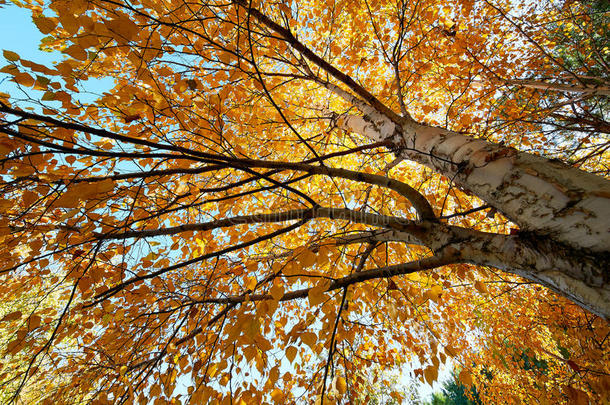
(276, 195)
(455, 393)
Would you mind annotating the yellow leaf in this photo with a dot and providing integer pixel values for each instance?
(212, 370)
(434, 293)
(251, 283)
(277, 395)
(341, 385)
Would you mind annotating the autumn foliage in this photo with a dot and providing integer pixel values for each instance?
(221, 227)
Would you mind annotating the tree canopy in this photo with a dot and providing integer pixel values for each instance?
(278, 201)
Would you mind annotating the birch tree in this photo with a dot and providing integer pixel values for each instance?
(276, 196)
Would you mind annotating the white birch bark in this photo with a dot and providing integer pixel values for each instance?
(578, 276)
(548, 200)
(542, 196)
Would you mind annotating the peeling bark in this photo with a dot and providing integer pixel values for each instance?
(565, 210)
(546, 199)
(540, 195)
(578, 276)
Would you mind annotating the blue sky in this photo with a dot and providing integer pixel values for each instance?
(19, 34)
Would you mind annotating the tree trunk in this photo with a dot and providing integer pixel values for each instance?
(563, 213)
(545, 198)
(542, 196)
(576, 275)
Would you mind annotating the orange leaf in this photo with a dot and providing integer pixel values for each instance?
(277, 395)
(11, 316)
(291, 353)
(465, 378)
(10, 56)
(44, 24)
(431, 374)
(131, 118)
(123, 27)
(482, 288)
(277, 292)
(341, 385)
